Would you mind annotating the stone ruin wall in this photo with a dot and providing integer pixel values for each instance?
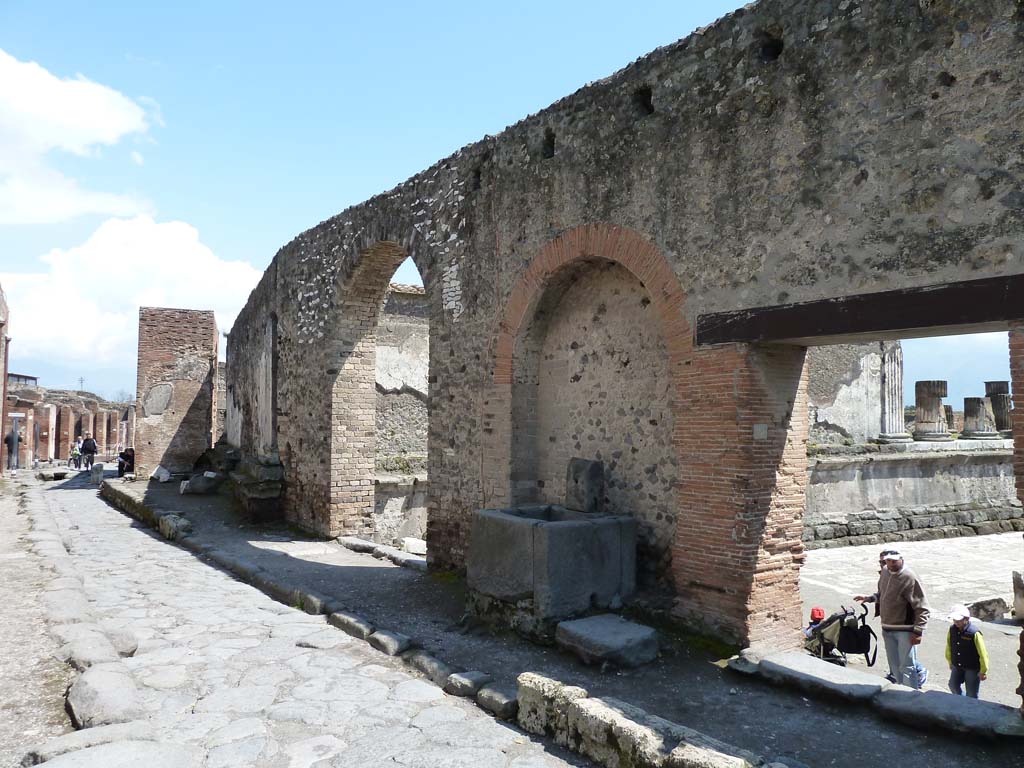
(792, 151)
(177, 366)
(844, 392)
(402, 363)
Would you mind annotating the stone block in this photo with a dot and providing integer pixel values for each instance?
(943, 710)
(130, 754)
(807, 673)
(174, 527)
(436, 670)
(414, 546)
(160, 474)
(391, 643)
(584, 486)
(499, 701)
(608, 638)
(357, 544)
(544, 705)
(351, 624)
(990, 609)
(103, 695)
(612, 732)
(90, 737)
(466, 683)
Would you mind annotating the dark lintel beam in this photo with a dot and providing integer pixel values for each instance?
(964, 307)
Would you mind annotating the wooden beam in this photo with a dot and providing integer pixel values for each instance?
(966, 307)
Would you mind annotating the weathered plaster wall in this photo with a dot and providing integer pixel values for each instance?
(795, 150)
(400, 508)
(845, 392)
(175, 395)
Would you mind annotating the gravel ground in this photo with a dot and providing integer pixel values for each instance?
(32, 680)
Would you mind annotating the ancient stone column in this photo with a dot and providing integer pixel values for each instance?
(999, 393)
(931, 416)
(893, 425)
(979, 421)
(950, 417)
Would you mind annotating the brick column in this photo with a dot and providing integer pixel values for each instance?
(46, 418)
(100, 433)
(88, 423)
(1017, 419)
(743, 474)
(65, 432)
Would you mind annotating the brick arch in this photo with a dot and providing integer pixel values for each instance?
(509, 480)
(739, 432)
(618, 244)
(351, 369)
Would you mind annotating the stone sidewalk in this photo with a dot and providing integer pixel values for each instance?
(224, 676)
(952, 571)
(32, 680)
(687, 684)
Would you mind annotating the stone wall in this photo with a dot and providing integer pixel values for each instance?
(845, 392)
(177, 365)
(592, 382)
(399, 508)
(796, 150)
(912, 492)
(403, 357)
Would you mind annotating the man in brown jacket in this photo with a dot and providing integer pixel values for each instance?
(903, 610)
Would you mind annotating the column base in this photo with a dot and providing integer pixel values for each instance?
(933, 437)
(980, 436)
(895, 437)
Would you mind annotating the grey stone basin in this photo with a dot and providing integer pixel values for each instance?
(565, 562)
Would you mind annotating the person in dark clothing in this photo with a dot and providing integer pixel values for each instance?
(966, 654)
(126, 462)
(12, 441)
(89, 450)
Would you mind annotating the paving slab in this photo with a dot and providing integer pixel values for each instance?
(944, 710)
(808, 673)
(608, 638)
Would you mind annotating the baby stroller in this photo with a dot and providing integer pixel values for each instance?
(842, 633)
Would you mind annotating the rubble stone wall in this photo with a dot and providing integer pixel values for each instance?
(177, 365)
(403, 360)
(795, 150)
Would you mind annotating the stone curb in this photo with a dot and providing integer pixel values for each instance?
(384, 552)
(690, 749)
(924, 710)
(613, 733)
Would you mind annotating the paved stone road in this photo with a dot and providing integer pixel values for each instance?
(952, 571)
(225, 676)
(32, 681)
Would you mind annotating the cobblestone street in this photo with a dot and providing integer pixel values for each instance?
(225, 676)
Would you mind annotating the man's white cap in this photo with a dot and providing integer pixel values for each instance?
(893, 555)
(959, 612)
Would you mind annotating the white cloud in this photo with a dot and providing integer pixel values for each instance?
(137, 158)
(41, 113)
(83, 307)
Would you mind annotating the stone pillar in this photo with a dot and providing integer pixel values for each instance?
(999, 393)
(130, 428)
(100, 434)
(88, 422)
(46, 422)
(950, 417)
(65, 432)
(979, 421)
(893, 429)
(930, 420)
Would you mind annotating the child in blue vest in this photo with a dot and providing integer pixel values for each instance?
(966, 654)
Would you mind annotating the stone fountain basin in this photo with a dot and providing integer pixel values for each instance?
(566, 562)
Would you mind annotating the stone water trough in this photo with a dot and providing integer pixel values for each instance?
(552, 561)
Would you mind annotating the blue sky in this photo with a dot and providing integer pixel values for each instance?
(209, 134)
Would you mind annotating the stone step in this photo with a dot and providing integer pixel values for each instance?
(608, 638)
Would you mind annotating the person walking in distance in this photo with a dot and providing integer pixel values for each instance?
(966, 654)
(903, 609)
(89, 449)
